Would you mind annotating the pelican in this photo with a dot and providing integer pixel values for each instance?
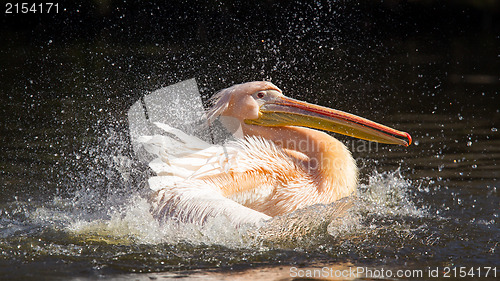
(281, 161)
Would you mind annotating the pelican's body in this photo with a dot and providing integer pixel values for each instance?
(277, 179)
(273, 168)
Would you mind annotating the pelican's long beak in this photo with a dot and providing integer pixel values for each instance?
(284, 111)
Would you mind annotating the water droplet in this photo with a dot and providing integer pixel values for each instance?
(469, 143)
(494, 129)
(474, 166)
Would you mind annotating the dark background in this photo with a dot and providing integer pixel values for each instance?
(67, 79)
(211, 21)
(204, 39)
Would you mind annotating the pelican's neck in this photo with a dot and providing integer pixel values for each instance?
(326, 159)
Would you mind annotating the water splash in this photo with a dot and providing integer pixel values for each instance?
(130, 222)
(134, 224)
(387, 194)
(127, 220)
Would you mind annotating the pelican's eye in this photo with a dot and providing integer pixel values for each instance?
(260, 95)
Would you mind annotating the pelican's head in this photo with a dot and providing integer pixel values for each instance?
(262, 103)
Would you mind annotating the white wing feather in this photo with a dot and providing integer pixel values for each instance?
(180, 194)
(197, 203)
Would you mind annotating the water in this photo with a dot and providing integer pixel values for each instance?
(73, 198)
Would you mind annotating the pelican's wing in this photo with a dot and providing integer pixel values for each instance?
(178, 155)
(182, 165)
(196, 202)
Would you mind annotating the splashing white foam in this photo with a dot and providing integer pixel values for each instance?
(130, 222)
(387, 193)
(134, 223)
